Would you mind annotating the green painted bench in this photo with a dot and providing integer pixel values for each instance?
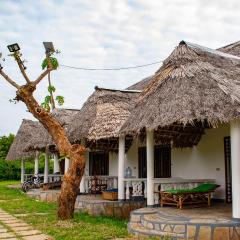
(181, 197)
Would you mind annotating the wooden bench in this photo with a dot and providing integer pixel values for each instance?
(199, 195)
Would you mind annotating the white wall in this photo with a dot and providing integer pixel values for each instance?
(113, 164)
(131, 160)
(206, 160)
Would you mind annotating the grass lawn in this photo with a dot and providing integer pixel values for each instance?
(82, 226)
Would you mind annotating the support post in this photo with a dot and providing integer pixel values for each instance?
(150, 168)
(82, 184)
(82, 187)
(22, 170)
(67, 164)
(46, 167)
(235, 155)
(36, 163)
(56, 168)
(121, 158)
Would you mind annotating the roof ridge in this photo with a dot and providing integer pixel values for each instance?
(229, 45)
(118, 90)
(209, 50)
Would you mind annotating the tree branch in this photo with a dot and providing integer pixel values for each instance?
(40, 78)
(48, 56)
(46, 72)
(20, 65)
(8, 79)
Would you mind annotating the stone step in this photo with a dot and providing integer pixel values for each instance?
(153, 221)
(140, 230)
(137, 214)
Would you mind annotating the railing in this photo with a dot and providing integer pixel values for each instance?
(111, 181)
(51, 177)
(137, 187)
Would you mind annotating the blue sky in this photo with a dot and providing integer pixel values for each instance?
(103, 33)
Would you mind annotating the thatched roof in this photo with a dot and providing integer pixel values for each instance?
(233, 49)
(102, 115)
(21, 141)
(40, 138)
(195, 84)
(32, 136)
(141, 84)
(64, 115)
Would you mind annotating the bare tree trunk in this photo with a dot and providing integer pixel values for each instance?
(72, 178)
(51, 93)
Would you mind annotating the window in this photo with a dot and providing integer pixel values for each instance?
(162, 162)
(98, 163)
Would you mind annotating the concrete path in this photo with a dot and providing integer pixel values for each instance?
(12, 228)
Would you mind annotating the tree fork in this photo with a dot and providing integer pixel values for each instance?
(72, 179)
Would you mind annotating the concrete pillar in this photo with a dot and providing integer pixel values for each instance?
(22, 170)
(46, 167)
(150, 168)
(83, 187)
(67, 164)
(82, 184)
(56, 167)
(36, 164)
(235, 155)
(121, 159)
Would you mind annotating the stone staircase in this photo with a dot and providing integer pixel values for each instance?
(147, 222)
(176, 225)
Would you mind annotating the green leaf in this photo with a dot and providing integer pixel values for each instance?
(44, 63)
(54, 62)
(60, 100)
(51, 89)
(46, 106)
(47, 99)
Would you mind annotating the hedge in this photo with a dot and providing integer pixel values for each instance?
(11, 170)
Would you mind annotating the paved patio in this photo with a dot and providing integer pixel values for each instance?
(201, 223)
(12, 228)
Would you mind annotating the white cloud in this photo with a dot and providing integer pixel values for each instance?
(104, 33)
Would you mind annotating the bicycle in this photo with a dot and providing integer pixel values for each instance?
(32, 183)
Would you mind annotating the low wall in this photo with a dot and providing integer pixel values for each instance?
(47, 195)
(95, 206)
(119, 209)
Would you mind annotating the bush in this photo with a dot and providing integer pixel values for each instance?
(11, 170)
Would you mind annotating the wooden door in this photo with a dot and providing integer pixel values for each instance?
(142, 162)
(162, 162)
(98, 164)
